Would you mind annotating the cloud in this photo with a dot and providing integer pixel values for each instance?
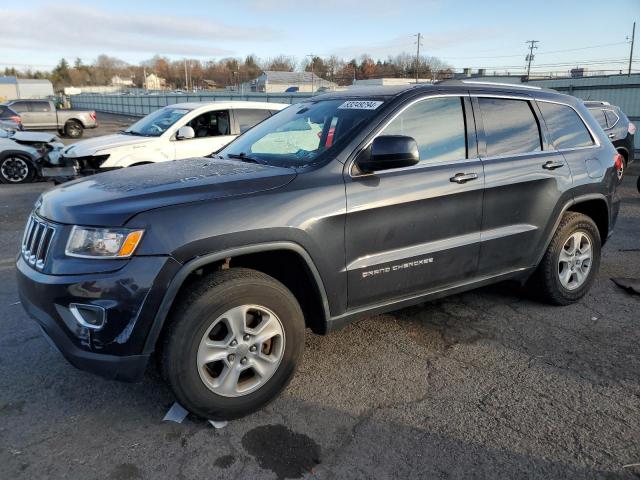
(73, 28)
(370, 8)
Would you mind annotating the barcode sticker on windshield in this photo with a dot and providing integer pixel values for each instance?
(360, 105)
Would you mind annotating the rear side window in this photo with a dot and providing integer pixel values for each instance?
(598, 114)
(40, 107)
(510, 127)
(437, 125)
(249, 117)
(565, 126)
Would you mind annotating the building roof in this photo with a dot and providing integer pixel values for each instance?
(14, 80)
(293, 77)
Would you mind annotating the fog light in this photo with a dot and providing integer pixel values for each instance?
(89, 316)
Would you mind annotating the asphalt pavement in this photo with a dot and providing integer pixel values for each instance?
(486, 384)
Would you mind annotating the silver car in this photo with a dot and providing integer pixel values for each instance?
(26, 156)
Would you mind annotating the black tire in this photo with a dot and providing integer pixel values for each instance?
(545, 283)
(16, 169)
(73, 129)
(193, 315)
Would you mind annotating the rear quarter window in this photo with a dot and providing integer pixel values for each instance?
(510, 126)
(612, 118)
(598, 114)
(565, 126)
(248, 117)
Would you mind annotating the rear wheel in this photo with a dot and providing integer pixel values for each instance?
(16, 169)
(232, 344)
(73, 129)
(571, 262)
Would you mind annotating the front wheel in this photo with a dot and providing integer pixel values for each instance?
(571, 262)
(16, 169)
(232, 344)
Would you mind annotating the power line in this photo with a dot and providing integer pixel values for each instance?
(543, 52)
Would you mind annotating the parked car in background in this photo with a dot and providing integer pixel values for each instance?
(219, 265)
(618, 127)
(175, 132)
(43, 115)
(24, 155)
(9, 119)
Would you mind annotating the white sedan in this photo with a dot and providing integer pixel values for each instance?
(174, 132)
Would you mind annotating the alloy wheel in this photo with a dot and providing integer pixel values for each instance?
(241, 350)
(574, 262)
(14, 169)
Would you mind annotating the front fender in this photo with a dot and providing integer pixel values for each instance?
(201, 261)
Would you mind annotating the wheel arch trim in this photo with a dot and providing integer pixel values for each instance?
(574, 201)
(203, 260)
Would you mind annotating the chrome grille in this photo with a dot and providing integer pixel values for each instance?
(36, 242)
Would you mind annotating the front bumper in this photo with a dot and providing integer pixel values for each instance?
(129, 297)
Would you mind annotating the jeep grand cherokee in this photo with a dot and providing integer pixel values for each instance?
(348, 204)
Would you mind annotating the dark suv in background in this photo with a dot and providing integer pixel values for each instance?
(618, 128)
(345, 205)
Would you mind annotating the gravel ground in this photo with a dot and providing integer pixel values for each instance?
(487, 384)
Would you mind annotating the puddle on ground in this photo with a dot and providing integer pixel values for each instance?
(286, 453)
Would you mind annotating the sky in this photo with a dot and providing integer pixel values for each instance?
(463, 33)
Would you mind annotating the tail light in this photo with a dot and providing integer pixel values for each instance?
(92, 115)
(618, 162)
(17, 119)
(631, 128)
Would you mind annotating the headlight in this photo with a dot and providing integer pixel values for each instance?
(88, 242)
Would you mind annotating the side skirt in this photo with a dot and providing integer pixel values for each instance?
(340, 321)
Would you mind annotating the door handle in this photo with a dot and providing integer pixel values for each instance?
(552, 165)
(463, 177)
(612, 135)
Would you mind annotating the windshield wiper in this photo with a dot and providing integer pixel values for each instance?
(131, 132)
(244, 157)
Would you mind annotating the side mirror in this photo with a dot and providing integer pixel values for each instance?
(185, 133)
(389, 151)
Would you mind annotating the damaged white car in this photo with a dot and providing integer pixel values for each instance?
(27, 156)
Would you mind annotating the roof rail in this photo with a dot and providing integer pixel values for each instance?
(479, 82)
(596, 102)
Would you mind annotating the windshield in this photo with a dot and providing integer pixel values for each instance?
(301, 133)
(156, 123)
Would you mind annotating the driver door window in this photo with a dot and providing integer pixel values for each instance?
(438, 127)
(211, 124)
(212, 132)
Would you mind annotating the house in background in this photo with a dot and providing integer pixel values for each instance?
(154, 82)
(117, 81)
(278, 82)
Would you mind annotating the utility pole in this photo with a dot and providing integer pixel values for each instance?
(418, 56)
(312, 62)
(529, 57)
(633, 38)
(144, 77)
(186, 80)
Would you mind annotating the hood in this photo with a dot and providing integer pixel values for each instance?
(90, 146)
(111, 198)
(34, 137)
